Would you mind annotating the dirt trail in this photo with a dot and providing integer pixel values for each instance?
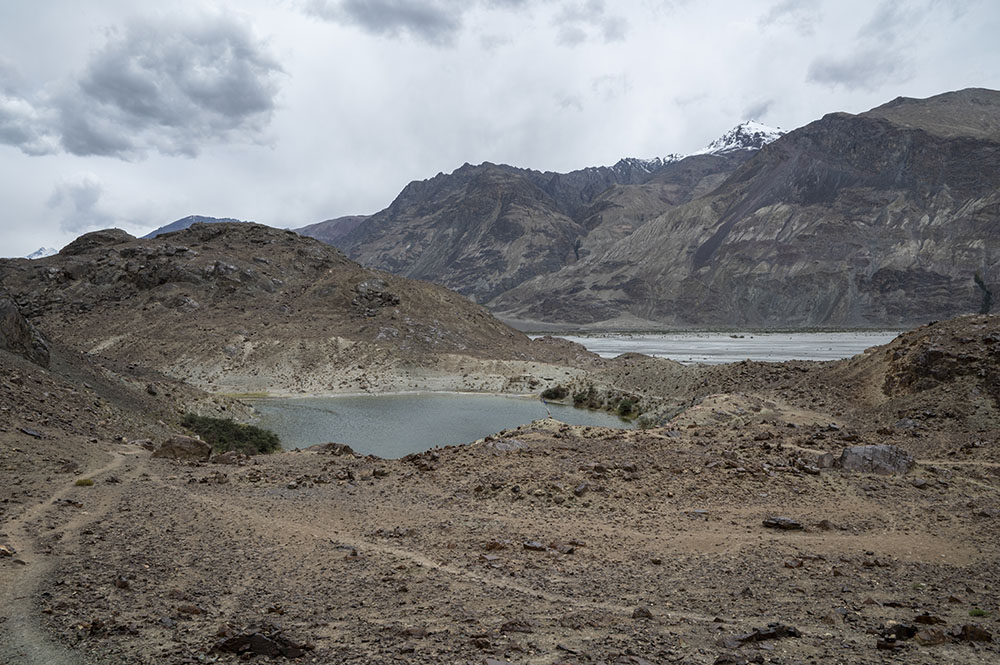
(23, 639)
(357, 541)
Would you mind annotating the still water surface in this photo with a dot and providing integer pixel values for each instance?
(392, 426)
(715, 348)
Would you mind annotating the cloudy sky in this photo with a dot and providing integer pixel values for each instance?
(288, 112)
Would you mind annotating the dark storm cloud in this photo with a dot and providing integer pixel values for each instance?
(166, 86)
(865, 69)
(578, 22)
(170, 88)
(433, 22)
(77, 200)
(800, 14)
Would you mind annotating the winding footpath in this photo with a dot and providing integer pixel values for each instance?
(23, 638)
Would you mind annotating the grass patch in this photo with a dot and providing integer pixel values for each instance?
(84, 482)
(976, 612)
(224, 434)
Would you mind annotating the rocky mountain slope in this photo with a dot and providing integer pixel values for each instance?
(880, 218)
(247, 307)
(484, 229)
(331, 231)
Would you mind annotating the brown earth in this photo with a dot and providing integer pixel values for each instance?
(544, 544)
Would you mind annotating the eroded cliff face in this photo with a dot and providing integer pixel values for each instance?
(18, 336)
(851, 220)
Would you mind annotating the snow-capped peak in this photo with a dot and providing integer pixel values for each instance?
(42, 252)
(750, 135)
(645, 165)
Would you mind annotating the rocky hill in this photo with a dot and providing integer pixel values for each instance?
(484, 229)
(247, 307)
(874, 219)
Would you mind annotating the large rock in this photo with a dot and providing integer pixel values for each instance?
(885, 460)
(18, 336)
(184, 447)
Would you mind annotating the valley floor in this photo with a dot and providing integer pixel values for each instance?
(541, 545)
(547, 544)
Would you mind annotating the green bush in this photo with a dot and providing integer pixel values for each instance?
(976, 612)
(558, 392)
(587, 398)
(84, 482)
(224, 434)
(626, 407)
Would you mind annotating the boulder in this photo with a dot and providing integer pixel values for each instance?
(883, 459)
(184, 447)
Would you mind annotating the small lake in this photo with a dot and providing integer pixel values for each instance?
(715, 348)
(396, 425)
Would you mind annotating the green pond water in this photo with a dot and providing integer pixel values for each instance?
(392, 426)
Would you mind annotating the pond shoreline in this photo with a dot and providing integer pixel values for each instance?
(395, 425)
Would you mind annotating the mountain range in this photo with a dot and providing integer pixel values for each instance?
(483, 230)
(873, 219)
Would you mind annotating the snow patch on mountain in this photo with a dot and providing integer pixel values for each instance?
(750, 135)
(42, 252)
(644, 165)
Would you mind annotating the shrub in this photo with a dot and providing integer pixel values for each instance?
(557, 392)
(84, 482)
(976, 612)
(587, 398)
(223, 434)
(626, 407)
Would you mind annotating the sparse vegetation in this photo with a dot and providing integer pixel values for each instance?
(626, 408)
(645, 423)
(84, 482)
(976, 612)
(224, 434)
(556, 392)
(587, 398)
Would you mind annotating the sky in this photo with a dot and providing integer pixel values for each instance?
(288, 112)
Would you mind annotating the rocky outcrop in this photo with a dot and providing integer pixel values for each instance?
(184, 448)
(18, 336)
(95, 240)
(882, 459)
